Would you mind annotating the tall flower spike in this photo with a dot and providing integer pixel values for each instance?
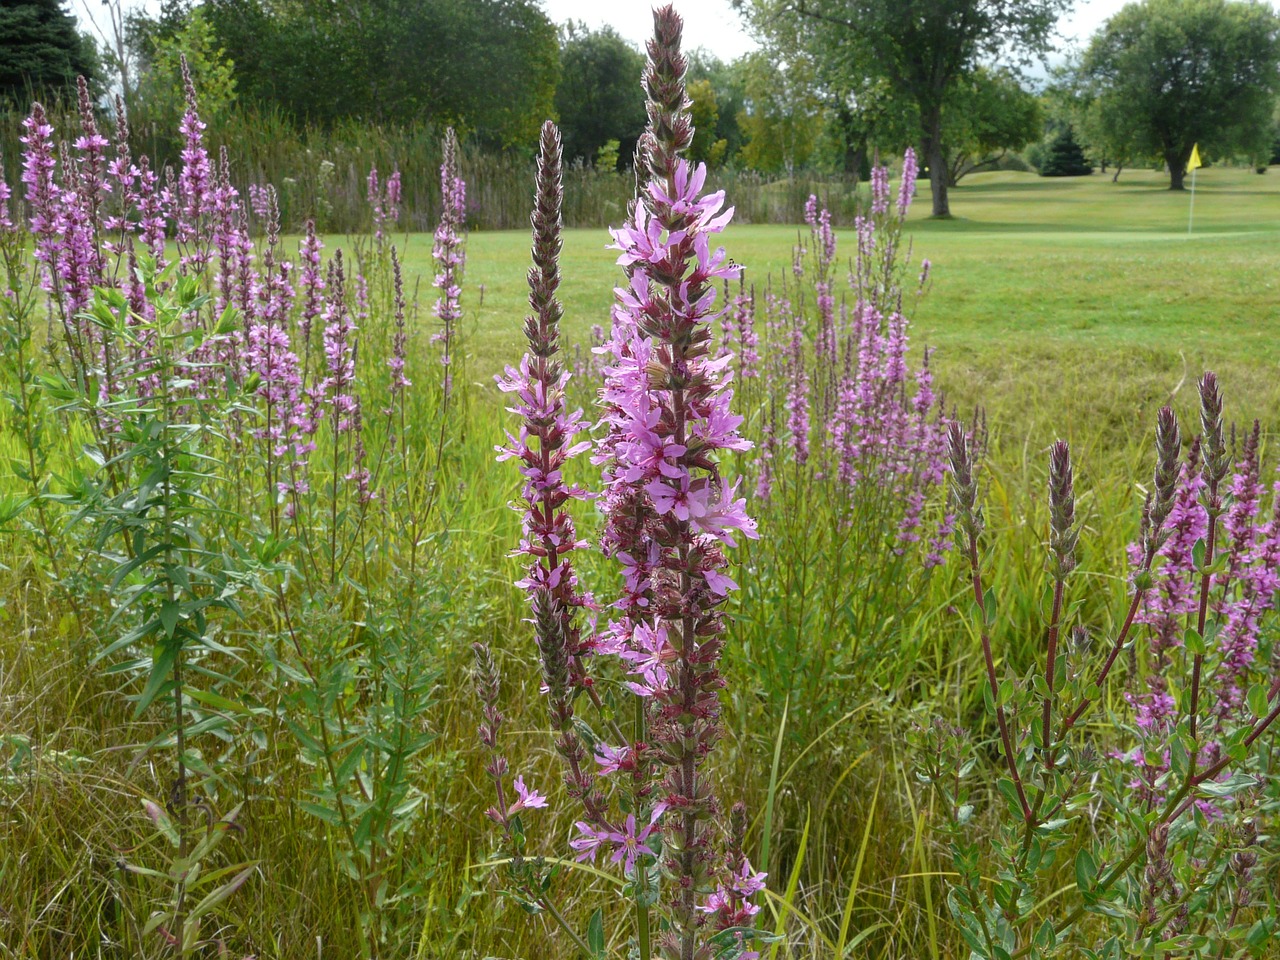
(964, 482)
(6, 223)
(449, 255)
(545, 442)
(1165, 482)
(669, 513)
(670, 130)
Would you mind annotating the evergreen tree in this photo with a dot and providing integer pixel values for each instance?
(1064, 158)
(41, 51)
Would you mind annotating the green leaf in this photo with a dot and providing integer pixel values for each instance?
(1259, 933)
(170, 614)
(1229, 787)
(1010, 792)
(162, 821)
(215, 897)
(1086, 871)
(321, 812)
(1259, 705)
(1007, 691)
(160, 679)
(1194, 642)
(595, 933)
(228, 322)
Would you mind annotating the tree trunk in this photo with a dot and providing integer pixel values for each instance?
(1116, 178)
(935, 157)
(1177, 165)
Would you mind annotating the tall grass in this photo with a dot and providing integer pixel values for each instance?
(321, 174)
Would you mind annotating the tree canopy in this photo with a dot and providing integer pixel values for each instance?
(41, 51)
(989, 114)
(599, 97)
(1169, 74)
(487, 66)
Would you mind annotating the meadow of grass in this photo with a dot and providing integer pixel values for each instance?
(1068, 308)
(1043, 292)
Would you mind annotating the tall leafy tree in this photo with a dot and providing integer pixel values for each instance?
(728, 83)
(989, 114)
(160, 99)
(781, 113)
(41, 51)
(1173, 73)
(599, 97)
(924, 48)
(705, 111)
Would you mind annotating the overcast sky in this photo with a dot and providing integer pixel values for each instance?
(708, 23)
(713, 23)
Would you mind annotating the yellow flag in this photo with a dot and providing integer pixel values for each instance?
(1194, 163)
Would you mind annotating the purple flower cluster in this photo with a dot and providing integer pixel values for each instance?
(384, 200)
(669, 514)
(879, 422)
(547, 439)
(1222, 600)
(95, 213)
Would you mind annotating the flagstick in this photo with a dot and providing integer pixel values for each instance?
(1191, 214)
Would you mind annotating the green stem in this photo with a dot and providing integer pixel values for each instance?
(642, 869)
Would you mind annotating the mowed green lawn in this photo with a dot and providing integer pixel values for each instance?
(1057, 303)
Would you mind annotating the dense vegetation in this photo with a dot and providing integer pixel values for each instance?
(982, 636)
(311, 101)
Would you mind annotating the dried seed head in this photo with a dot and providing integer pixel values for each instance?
(542, 326)
(1165, 484)
(964, 482)
(1216, 461)
(1063, 534)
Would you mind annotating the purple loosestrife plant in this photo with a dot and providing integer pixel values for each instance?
(851, 438)
(546, 440)
(450, 256)
(183, 378)
(1166, 866)
(647, 796)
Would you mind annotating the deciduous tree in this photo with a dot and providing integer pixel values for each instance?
(486, 66)
(599, 97)
(1173, 73)
(989, 114)
(924, 48)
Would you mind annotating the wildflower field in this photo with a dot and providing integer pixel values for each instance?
(688, 590)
